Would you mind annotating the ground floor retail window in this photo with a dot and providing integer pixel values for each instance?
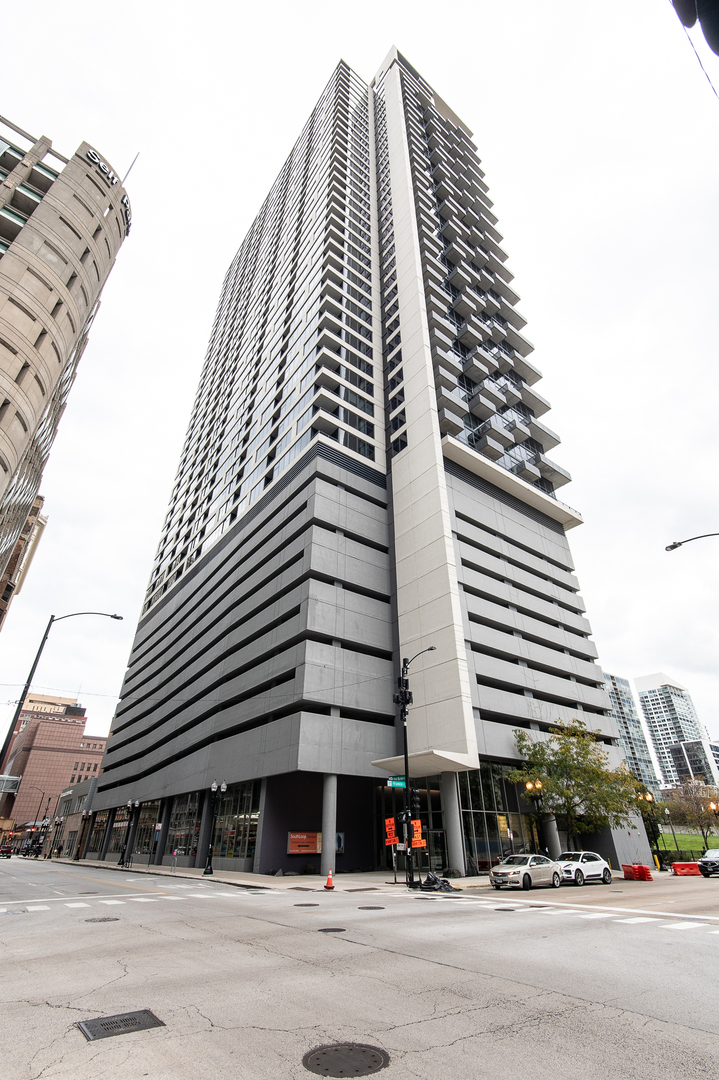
(98, 832)
(148, 832)
(184, 831)
(119, 831)
(494, 823)
(237, 814)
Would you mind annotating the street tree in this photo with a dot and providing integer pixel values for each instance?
(689, 803)
(577, 784)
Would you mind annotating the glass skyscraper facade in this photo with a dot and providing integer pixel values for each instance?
(631, 734)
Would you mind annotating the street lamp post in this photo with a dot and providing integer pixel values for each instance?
(533, 789)
(58, 822)
(404, 699)
(36, 661)
(213, 788)
(646, 796)
(678, 543)
(132, 808)
(669, 816)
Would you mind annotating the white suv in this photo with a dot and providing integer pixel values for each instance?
(581, 866)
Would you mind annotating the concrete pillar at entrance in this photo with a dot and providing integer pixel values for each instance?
(108, 833)
(452, 820)
(165, 811)
(551, 836)
(329, 823)
(203, 840)
(260, 826)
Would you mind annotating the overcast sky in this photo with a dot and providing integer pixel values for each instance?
(598, 133)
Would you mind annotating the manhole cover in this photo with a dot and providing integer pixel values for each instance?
(104, 1027)
(370, 907)
(306, 905)
(332, 930)
(346, 1059)
(104, 918)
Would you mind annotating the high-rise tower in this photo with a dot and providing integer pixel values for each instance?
(671, 719)
(365, 474)
(631, 733)
(61, 225)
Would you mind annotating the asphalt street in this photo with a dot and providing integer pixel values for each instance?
(601, 982)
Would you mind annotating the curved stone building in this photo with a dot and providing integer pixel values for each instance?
(61, 225)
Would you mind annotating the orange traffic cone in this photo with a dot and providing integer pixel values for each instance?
(329, 884)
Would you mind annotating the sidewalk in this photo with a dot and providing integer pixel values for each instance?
(379, 879)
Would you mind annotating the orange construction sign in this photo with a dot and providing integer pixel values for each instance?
(391, 831)
(417, 840)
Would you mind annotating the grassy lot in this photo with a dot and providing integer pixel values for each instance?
(686, 841)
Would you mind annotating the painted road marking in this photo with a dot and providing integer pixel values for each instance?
(39, 907)
(112, 901)
(77, 905)
(598, 915)
(681, 925)
(644, 918)
(143, 899)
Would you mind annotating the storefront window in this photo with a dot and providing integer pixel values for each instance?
(237, 814)
(184, 830)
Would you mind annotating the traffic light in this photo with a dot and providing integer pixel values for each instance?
(414, 802)
(707, 12)
(404, 697)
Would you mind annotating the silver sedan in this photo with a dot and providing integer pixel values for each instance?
(525, 871)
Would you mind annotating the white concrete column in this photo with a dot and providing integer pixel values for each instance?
(329, 822)
(452, 820)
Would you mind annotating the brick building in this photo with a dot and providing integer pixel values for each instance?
(50, 751)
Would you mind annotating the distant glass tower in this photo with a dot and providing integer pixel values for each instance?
(365, 474)
(670, 717)
(631, 733)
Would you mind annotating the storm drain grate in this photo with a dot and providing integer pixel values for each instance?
(370, 907)
(505, 909)
(306, 905)
(332, 930)
(104, 1027)
(104, 918)
(345, 1059)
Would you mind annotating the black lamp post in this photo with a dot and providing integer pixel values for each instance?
(213, 788)
(31, 838)
(36, 661)
(533, 791)
(132, 809)
(678, 543)
(58, 822)
(669, 817)
(404, 699)
(648, 798)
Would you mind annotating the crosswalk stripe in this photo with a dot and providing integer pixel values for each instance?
(112, 901)
(77, 905)
(681, 925)
(641, 918)
(39, 907)
(599, 915)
